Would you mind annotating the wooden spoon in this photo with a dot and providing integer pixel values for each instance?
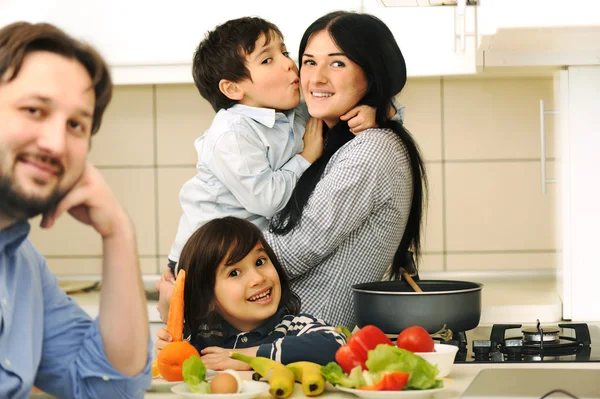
(410, 281)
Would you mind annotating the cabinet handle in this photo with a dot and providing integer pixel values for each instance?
(543, 113)
(462, 17)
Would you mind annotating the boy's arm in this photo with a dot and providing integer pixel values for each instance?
(362, 117)
(397, 111)
(301, 115)
(301, 332)
(240, 162)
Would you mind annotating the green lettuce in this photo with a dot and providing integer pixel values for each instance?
(194, 375)
(333, 373)
(391, 358)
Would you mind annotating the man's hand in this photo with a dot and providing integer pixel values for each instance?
(91, 202)
(313, 140)
(360, 118)
(165, 286)
(123, 317)
(216, 358)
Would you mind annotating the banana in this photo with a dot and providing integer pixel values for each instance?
(309, 375)
(281, 379)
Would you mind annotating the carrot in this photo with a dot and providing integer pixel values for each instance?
(175, 317)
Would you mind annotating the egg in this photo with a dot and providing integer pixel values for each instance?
(228, 381)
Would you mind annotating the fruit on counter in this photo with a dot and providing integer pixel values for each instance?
(155, 372)
(308, 374)
(355, 352)
(415, 339)
(281, 379)
(227, 381)
(393, 381)
(170, 359)
(175, 316)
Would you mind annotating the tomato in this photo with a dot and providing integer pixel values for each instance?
(415, 339)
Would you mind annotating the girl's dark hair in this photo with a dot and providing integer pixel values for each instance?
(21, 38)
(201, 256)
(368, 42)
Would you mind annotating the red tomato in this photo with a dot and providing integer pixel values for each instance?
(415, 339)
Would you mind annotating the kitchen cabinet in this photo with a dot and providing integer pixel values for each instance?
(435, 41)
(538, 33)
(578, 132)
(154, 41)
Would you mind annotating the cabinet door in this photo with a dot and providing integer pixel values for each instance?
(538, 32)
(431, 38)
(154, 41)
(506, 14)
(580, 193)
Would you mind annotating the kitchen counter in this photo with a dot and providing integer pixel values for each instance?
(456, 383)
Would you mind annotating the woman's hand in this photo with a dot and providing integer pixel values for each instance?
(360, 118)
(313, 140)
(216, 358)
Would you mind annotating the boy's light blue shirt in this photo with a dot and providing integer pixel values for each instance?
(248, 166)
(46, 339)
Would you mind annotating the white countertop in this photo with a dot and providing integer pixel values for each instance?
(456, 383)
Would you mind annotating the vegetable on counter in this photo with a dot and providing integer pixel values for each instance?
(336, 376)
(355, 352)
(175, 316)
(381, 365)
(194, 375)
(171, 358)
(415, 339)
(394, 381)
(390, 358)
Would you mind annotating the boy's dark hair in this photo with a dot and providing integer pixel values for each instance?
(203, 253)
(221, 55)
(21, 38)
(385, 70)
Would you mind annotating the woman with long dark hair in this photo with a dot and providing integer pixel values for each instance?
(357, 209)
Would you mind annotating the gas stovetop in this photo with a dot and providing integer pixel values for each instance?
(505, 343)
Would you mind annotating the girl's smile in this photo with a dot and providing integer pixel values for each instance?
(247, 292)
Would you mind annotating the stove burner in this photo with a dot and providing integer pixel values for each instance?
(536, 344)
(546, 334)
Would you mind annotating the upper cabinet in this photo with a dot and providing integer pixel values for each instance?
(154, 41)
(435, 40)
(538, 32)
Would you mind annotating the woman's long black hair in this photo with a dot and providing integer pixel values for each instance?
(368, 42)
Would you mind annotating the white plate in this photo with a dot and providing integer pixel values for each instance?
(423, 393)
(162, 385)
(250, 389)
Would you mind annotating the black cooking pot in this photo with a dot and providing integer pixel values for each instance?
(394, 305)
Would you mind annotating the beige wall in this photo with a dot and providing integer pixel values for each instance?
(480, 139)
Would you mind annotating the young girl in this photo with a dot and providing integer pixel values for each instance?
(237, 296)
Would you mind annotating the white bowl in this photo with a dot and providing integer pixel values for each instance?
(443, 357)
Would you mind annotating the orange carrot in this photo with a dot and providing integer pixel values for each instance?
(175, 318)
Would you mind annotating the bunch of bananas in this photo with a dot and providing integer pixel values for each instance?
(282, 378)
